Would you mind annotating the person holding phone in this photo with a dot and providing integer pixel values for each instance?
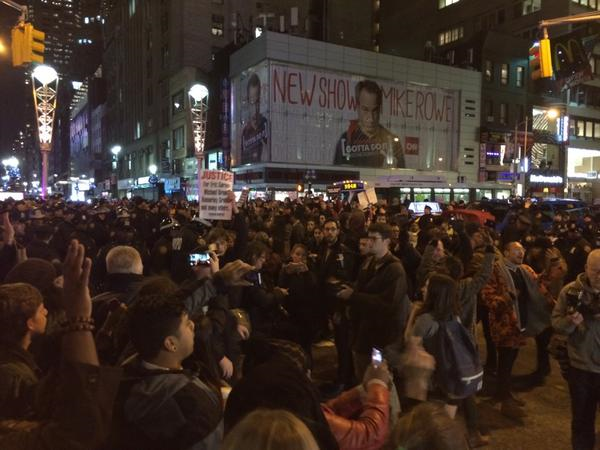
(302, 301)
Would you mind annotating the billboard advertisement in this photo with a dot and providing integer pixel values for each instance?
(297, 114)
(570, 60)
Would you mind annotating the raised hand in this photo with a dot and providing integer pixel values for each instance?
(76, 273)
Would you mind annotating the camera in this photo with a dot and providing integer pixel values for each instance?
(199, 259)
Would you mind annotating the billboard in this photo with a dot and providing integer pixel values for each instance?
(570, 60)
(313, 116)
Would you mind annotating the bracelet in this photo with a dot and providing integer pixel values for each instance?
(71, 327)
(78, 324)
(78, 319)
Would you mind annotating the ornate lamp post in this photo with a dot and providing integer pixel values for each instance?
(198, 95)
(45, 84)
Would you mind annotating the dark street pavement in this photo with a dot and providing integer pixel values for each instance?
(547, 425)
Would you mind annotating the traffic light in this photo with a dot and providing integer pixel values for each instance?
(540, 60)
(545, 58)
(33, 51)
(17, 42)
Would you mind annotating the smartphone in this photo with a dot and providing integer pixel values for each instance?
(376, 357)
(254, 278)
(199, 259)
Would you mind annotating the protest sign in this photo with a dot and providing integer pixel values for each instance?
(213, 204)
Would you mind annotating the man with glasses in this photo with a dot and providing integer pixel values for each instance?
(377, 303)
(335, 265)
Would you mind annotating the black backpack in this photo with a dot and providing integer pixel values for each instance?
(458, 371)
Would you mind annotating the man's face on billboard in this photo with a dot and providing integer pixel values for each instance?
(368, 112)
(254, 102)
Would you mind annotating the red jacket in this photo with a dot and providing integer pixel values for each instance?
(369, 430)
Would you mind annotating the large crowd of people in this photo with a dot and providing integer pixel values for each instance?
(134, 324)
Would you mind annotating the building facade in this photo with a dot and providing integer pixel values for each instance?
(155, 51)
(494, 37)
(296, 108)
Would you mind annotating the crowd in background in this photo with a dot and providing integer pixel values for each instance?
(137, 325)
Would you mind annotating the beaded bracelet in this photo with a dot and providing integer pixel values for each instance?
(78, 324)
(70, 327)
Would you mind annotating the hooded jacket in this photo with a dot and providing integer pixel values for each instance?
(159, 409)
(583, 339)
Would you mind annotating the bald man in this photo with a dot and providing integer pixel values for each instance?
(577, 315)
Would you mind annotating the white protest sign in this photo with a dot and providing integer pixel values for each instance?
(215, 187)
(371, 196)
(363, 201)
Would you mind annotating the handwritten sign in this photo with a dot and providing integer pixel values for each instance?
(214, 189)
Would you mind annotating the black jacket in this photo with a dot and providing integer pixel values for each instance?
(379, 306)
(159, 409)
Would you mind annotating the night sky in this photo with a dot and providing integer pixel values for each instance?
(12, 87)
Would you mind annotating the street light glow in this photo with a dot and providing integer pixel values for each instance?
(11, 162)
(198, 92)
(152, 169)
(45, 74)
(552, 113)
(116, 149)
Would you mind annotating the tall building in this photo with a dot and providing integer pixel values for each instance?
(154, 51)
(494, 37)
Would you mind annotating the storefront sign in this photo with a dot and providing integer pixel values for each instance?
(214, 189)
(126, 183)
(172, 184)
(546, 179)
(505, 176)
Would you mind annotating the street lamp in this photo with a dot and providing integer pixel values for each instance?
(198, 95)
(115, 150)
(152, 169)
(45, 85)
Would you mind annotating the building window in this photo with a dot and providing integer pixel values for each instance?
(178, 138)
(520, 76)
(164, 57)
(149, 96)
(164, 21)
(165, 116)
(450, 56)
(524, 7)
(470, 56)
(501, 16)
(218, 24)
(589, 129)
(177, 103)
(503, 113)
(488, 108)
(504, 74)
(488, 70)
(444, 3)
(451, 35)
(594, 4)
(132, 7)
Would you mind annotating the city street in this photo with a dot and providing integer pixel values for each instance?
(548, 407)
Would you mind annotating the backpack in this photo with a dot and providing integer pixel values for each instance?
(458, 371)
